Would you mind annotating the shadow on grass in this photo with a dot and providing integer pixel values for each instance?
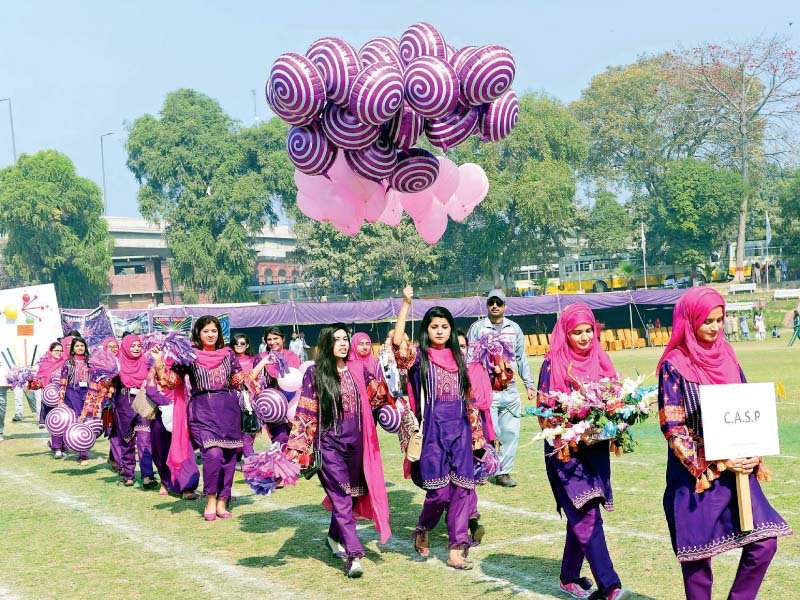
(42, 435)
(309, 539)
(533, 573)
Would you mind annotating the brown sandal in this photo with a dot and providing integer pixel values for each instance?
(462, 566)
(421, 543)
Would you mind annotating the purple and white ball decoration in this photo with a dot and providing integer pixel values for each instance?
(345, 130)
(422, 39)
(309, 150)
(377, 93)
(451, 130)
(381, 50)
(416, 171)
(50, 395)
(431, 86)
(79, 437)
(389, 419)
(59, 419)
(297, 85)
(486, 74)
(338, 63)
(499, 117)
(375, 162)
(270, 406)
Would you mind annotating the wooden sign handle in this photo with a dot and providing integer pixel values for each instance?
(745, 506)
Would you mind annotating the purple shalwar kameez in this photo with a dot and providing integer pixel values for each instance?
(451, 428)
(342, 451)
(580, 486)
(130, 434)
(75, 383)
(161, 439)
(215, 422)
(703, 524)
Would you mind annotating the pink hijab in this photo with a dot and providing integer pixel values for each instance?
(353, 358)
(698, 361)
(48, 365)
(568, 364)
(132, 370)
(109, 340)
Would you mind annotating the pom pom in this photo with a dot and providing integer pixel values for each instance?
(175, 345)
(265, 470)
(104, 365)
(490, 348)
(19, 377)
(488, 464)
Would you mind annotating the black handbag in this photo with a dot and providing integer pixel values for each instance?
(250, 422)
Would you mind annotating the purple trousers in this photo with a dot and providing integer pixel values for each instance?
(343, 523)
(124, 452)
(586, 539)
(756, 557)
(219, 467)
(459, 502)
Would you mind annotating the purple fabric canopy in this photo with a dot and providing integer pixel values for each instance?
(259, 315)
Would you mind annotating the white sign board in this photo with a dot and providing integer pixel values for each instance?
(739, 420)
(29, 319)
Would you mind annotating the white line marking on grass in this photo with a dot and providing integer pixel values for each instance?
(542, 537)
(189, 559)
(6, 595)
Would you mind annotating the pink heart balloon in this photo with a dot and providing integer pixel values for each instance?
(311, 207)
(432, 222)
(375, 205)
(473, 185)
(446, 182)
(393, 213)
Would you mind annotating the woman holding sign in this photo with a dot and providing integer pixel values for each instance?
(700, 501)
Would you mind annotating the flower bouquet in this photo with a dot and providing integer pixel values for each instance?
(596, 411)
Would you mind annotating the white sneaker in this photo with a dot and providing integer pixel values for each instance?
(336, 548)
(353, 568)
(58, 454)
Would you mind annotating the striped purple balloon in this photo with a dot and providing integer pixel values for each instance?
(422, 39)
(338, 63)
(297, 85)
(50, 395)
(499, 117)
(309, 150)
(345, 130)
(278, 109)
(416, 170)
(95, 424)
(381, 50)
(59, 419)
(389, 419)
(405, 127)
(453, 129)
(270, 406)
(375, 162)
(431, 86)
(458, 59)
(377, 93)
(486, 74)
(79, 437)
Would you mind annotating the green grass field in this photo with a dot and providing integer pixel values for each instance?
(73, 532)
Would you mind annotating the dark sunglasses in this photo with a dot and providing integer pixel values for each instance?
(495, 302)
(240, 343)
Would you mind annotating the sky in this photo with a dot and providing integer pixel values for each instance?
(77, 70)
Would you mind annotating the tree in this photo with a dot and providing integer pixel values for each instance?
(754, 87)
(609, 226)
(789, 203)
(56, 233)
(213, 186)
(697, 209)
(637, 122)
(530, 210)
(378, 257)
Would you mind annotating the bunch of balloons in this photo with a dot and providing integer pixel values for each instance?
(356, 117)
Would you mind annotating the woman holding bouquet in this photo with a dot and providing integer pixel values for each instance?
(74, 387)
(439, 393)
(580, 479)
(700, 500)
(334, 416)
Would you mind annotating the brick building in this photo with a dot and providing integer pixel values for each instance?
(140, 274)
